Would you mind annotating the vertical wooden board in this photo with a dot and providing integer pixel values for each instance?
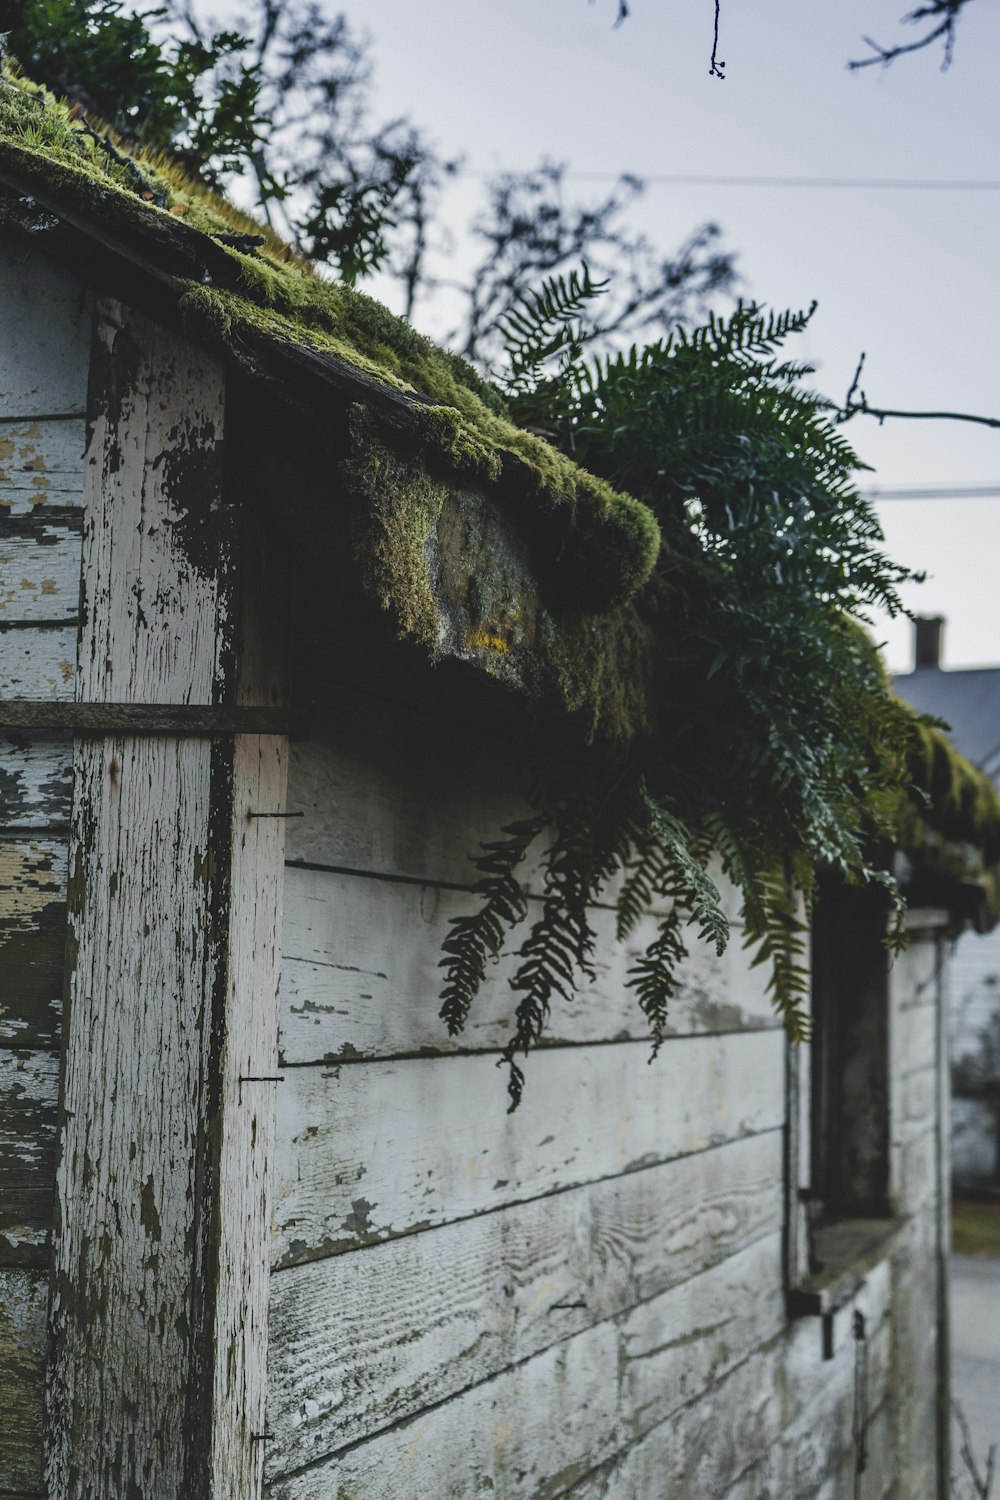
(23, 1300)
(918, 1184)
(36, 779)
(41, 465)
(915, 1042)
(45, 323)
(38, 662)
(369, 1151)
(242, 1269)
(39, 568)
(361, 976)
(362, 1340)
(158, 620)
(128, 1174)
(29, 1088)
(32, 941)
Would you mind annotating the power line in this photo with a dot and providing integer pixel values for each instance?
(935, 492)
(656, 179)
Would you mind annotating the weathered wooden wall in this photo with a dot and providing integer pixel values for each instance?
(45, 328)
(586, 1298)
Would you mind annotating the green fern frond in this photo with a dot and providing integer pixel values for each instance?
(774, 926)
(476, 940)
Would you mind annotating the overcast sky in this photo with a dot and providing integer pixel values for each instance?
(909, 276)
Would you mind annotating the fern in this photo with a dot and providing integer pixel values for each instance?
(775, 743)
(655, 977)
(775, 927)
(477, 939)
(546, 323)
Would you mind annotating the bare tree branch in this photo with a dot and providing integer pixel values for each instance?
(945, 13)
(981, 1483)
(856, 404)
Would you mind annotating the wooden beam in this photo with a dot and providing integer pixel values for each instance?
(158, 1319)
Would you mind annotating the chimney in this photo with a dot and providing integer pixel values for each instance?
(927, 640)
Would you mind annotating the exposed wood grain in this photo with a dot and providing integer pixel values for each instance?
(242, 1265)
(543, 1427)
(709, 1444)
(362, 1340)
(361, 977)
(45, 320)
(39, 567)
(32, 941)
(38, 661)
(354, 1168)
(130, 1156)
(36, 777)
(156, 464)
(23, 1299)
(157, 1377)
(41, 465)
(29, 1087)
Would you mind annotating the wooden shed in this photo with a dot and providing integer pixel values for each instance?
(265, 1229)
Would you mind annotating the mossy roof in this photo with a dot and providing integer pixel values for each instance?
(240, 286)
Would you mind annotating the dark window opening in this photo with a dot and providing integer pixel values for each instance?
(850, 1057)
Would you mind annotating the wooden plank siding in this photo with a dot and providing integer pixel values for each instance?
(587, 1297)
(45, 332)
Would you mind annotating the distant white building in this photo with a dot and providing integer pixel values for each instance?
(969, 703)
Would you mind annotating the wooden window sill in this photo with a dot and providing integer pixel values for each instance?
(846, 1252)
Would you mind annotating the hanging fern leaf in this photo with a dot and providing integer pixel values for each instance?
(655, 977)
(775, 927)
(476, 940)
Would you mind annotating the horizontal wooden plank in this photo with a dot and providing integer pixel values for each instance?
(369, 1151)
(386, 789)
(23, 1304)
(537, 1427)
(409, 1323)
(32, 941)
(735, 1429)
(361, 976)
(45, 328)
(40, 567)
(558, 1425)
(36, 779)
(29, 1092)
(390, 790)
(41, 465)
(38, 662)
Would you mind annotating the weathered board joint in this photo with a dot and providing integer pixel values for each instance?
(176, 720)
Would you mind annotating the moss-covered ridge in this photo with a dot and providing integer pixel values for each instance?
(240, 286)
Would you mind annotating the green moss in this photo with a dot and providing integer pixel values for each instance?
(598, 669)
(603, 543)
(398, 506)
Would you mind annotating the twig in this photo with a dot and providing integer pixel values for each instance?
(949, 9)
(716, 69)
(982, 1484)
(856, 403)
